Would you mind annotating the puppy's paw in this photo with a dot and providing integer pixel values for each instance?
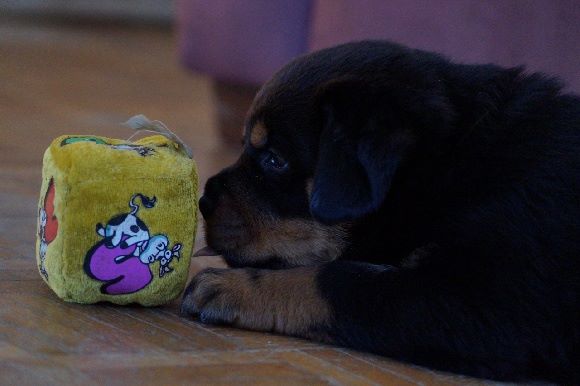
(285, 301)
(218, 296)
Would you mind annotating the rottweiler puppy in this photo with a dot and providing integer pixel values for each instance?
(391, 201)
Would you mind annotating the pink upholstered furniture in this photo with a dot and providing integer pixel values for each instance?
(245, 41)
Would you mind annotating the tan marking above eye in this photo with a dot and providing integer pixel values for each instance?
(258, 135)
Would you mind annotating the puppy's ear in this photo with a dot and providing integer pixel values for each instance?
(361, 147)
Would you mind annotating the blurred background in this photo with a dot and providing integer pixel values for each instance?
(84, 66)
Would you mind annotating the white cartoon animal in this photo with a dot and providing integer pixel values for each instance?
(127, 229)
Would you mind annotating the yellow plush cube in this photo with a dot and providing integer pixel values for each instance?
(117, 219)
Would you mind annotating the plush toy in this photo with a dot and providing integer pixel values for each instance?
(117, 219)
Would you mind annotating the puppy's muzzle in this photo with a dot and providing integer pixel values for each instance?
(206, 206)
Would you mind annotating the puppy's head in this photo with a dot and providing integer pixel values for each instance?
(323, 141)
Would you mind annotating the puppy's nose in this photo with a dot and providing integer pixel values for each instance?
(206, 206)
(215, 187)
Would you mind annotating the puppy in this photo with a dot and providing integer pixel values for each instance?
(391, 201)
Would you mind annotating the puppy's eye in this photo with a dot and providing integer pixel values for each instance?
(272, 160)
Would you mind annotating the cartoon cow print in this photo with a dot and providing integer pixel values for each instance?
(158, 249)
(127, 229)
(122, 258)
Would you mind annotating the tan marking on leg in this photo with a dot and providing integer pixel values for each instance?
(258, 135)
(282, 301)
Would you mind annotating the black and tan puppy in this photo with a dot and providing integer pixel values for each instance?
(391, 201)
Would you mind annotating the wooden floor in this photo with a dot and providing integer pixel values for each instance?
(57, 79)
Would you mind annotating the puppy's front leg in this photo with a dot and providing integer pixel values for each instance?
(282, 301)
(417, 315)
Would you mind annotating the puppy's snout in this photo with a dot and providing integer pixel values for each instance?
(213, 189)
(206, 206)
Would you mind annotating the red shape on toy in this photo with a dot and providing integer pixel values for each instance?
(51, 227)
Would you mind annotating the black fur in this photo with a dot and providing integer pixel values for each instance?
(477, 164)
